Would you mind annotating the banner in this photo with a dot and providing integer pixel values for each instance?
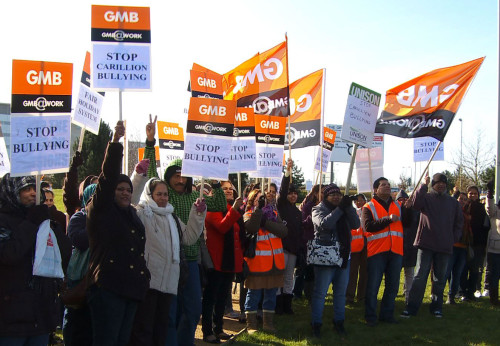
(369, 166)
(243, 151)
(209, 134)
(423, 147)
(426, 105)
(328, 142)
(342, 151)
(4, 157)
(261, 82)
(205, 83)
(360, 115)
(121, 48)
(305, 110)
(40, 145)
(171, 142)
(270, 133)
(41, 87)
(87, 113)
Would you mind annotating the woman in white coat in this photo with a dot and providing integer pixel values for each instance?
(164, 235)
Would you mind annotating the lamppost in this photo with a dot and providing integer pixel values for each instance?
(460, 168)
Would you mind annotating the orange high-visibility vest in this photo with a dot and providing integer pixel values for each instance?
(268, 253)
(357, 240)
(391, 237)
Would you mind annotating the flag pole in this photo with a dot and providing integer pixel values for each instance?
(351, 167)
(322, 139)
(288, 104)
(80, 143)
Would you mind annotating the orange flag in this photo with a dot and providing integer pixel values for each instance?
(261, 82)
(426, 105)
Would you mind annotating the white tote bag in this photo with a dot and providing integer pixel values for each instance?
(47, 255)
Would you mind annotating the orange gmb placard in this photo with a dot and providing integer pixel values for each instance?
(443, 88)
(212, 110)
(170, 131)
(206, 81)
(120, 17)
(86, 64)
(269, 124)
(157, 153)
(41, 77)
(245, 117)
(329, 135)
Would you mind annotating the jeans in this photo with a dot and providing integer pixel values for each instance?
(77, 326)
(172, 323)
(189, 306)
(38, 340)
(214, 301)
(389, 264)
(112, 316)
(323, 277)
(253, 299)
(456, 266)
(439, 262)
(475, 268)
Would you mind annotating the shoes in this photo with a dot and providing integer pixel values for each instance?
(391, 320)
(339, 327)
(486, 293)
(242, 318)
(211, 339)
(451, 301)
(371, 323)
(405, 314)
(316, 330)
(437, 314)
(477, 294)
(224, 336)
(232, 314)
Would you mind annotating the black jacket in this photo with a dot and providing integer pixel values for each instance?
(293, 217)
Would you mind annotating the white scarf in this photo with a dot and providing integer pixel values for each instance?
(156, 217)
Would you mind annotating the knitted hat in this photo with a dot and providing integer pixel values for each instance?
(439, 177)
(175, 167)
(330, 189)
(401, 194)
(23, 182)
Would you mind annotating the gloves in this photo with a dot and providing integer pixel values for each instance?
(142, 167)
(38, 213)
(262, 202)
(345, 202)
(77, 159)
(200, 205)
(491, 189)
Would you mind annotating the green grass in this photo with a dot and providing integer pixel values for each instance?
(58, 201)
(474, 323)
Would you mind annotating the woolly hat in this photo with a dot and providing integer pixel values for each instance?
(23, 182)
(401, 194)
(175, 167)
(330, 189)
(292, 189)
(436, 178)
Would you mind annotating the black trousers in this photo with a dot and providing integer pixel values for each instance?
(214, 301)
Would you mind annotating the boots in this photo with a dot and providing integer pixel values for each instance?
(287, 304)
(279, 304)
(451, 300)
(316, 329)
(267, 323)
(494, 296)
(339, 327)
(251, 321)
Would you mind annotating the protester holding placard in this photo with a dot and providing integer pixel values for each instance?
(117, 239)
(265, 259)
(29, 304)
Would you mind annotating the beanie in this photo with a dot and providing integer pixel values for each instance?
(439, 177)
(401, 194)
(175, 167)
(330, 189)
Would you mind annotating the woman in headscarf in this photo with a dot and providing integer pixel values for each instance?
(29, 305)
(164, 235)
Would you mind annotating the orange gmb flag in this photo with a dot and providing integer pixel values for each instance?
(306, 96)
(426, 105)
(261, 82)
(205, 82)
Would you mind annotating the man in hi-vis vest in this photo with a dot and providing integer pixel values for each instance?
(381, 219)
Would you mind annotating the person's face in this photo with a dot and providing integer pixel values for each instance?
(160, 195)
(27, 196)
(384, 189)
(228, 190)
(462, 199)
(334, 198)
(178, 183)
(440, 187)
(360, 202)
(256, 200)
(473, 195)
(271, 194)
(49, 199)
(292, 197)
(123, 194)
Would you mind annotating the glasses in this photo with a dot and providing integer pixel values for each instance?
(161, 194)
(123, 189)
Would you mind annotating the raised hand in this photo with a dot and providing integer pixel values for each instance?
(119, 131)
(151, 128)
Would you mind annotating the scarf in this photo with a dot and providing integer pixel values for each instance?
(343, 235)
(159, 218)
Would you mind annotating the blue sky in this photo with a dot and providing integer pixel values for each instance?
(376, 44)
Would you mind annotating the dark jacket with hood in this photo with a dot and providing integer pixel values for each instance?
(478, 223)
(116, 235)
(409, 218)
(29, 305)
(292, 216)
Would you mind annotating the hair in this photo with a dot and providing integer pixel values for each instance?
(376, 183)
(154, 183)
(273, 185)
(463, 193)
(44, 185)
(473, 187)
(49, 191)
(312, 196)
(251, 198)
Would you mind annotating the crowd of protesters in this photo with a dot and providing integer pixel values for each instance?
(145, 258)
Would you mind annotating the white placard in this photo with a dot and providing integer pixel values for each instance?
(423, 147)
(243, 155)
(342, 151)
(269, 161)
(360, 115)
(40, 145)
(167, 156)
(326, 159)
(87, 112)
(206, 156)
(369, 166)
(4, 158)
